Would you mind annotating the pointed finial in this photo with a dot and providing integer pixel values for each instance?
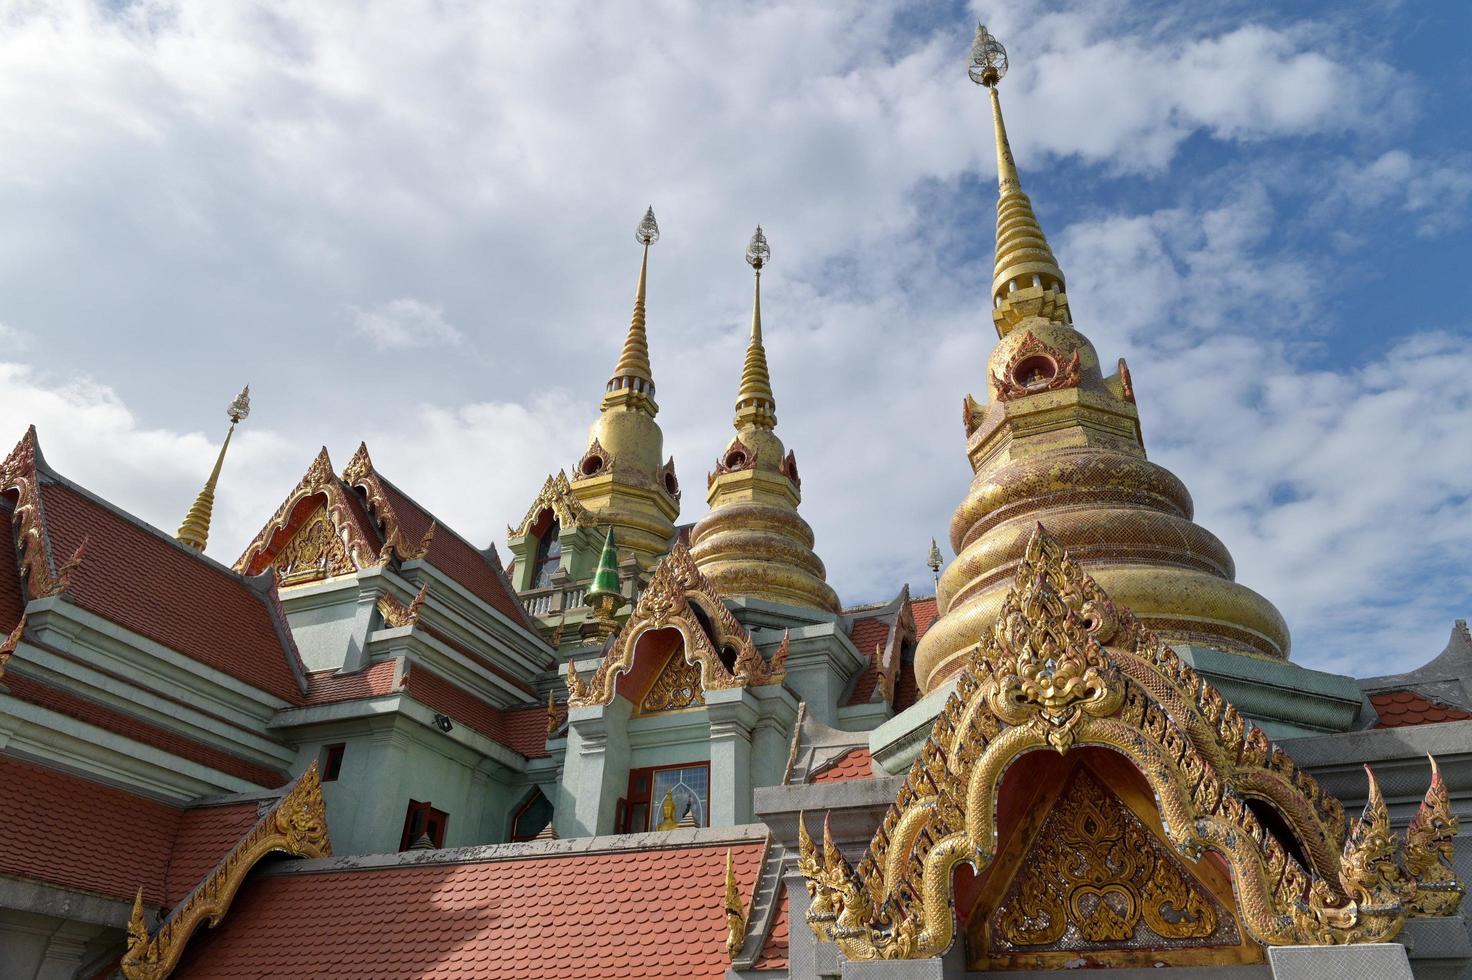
(935, 559)
(633, 378)
(1026, 281)
(756, 405)
(195, 531)
(604, 595)
(735, 910)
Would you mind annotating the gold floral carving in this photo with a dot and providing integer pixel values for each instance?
(361, 475)
(19, 475)
(1066, 372)
(395, 614)
(676, 687)
(360, 552)
(556, 495)
(295, 825)
(1064, 667)
(314, 551)
(675, 590)
(737, 457)
(11, 642)
(735, 911)
(1428, 854)
(1098, 878)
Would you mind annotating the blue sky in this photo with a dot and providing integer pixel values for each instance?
(412, 224)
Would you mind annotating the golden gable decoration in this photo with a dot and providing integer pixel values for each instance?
(395, 614)
(349, 549)
(19, 475)
(295, 825)
(11, 642)
(671, 599)
(676, 687)
(1065, 668)
(360, 475)
(556, 495)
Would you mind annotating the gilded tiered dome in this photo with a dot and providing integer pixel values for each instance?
(1058, 443)
(753, 543)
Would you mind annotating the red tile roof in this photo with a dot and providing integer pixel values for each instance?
(206, 835)
(926, 613)
(70, 832)
(1398, 709)
(526, 729)
(866, 635)
(774, 951)
(103, 716)
(12, 601)
(856, 763)
(522, 730)
(478, 572)
(328, 686)
(651, 913)
(147, 584)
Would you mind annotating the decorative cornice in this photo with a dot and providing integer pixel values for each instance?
(295, 825)
(1066, 667)
(556, 495)
(674, 591)
(319, 480)
(395, 614)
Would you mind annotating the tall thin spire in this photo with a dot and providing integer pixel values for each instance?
(755, 403)
(633, 370)
(1027, 280)
(195, 531)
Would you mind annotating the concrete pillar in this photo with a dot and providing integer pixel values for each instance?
(732, 714)
(598, 737)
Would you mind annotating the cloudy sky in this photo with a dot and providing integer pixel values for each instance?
(413, 224)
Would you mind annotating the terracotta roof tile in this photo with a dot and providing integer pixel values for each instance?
(526, 729)
(654, 913)
(12, 600)
(1399, 709)
(866, 635)
(73, 833)
(522, 730)
(774, 951)
(103, 716)
(926, 613)
(157, 589)
(457, 558)
(328, 686)
(206, 835)
(856, 763)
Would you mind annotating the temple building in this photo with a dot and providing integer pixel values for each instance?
(654, 742)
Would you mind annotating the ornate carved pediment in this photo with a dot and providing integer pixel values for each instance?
(295, 825)
(1036, 367)
(671, 599)
(360, 475)
(594, 462)
(19, 475)
(313, 552)
(556, 495)
(677, 686)
(738, 456)
(349, 547)
(1065, 669)
(789, 469)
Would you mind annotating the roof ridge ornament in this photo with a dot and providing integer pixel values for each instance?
(195, 531)
(633, 372)
(756, 405)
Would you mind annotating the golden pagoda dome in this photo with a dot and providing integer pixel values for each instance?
(753, 543)
(1058, 442)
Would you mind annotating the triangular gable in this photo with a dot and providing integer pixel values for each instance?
(556, 495)
(20, 479)
(320, 529)
(360, 475)
(681, 598)
(1066, 669)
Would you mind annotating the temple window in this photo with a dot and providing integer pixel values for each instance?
(424, 826)
(532, 817)
(666, 797)
(549, 551)
(332, 761)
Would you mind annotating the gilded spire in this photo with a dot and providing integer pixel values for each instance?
(755, 403)
(1027, 280)
(195, 531)
(633, 370)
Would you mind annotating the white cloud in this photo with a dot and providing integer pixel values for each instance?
(1434, 192)
(405, 323)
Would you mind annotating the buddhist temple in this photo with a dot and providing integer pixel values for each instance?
(652, 740)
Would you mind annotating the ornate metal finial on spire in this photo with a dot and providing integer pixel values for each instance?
(758, 251)
(755, 403)
(934, 560)
(988, 58)
(195, 531)
(604, 596)
(648, 231)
